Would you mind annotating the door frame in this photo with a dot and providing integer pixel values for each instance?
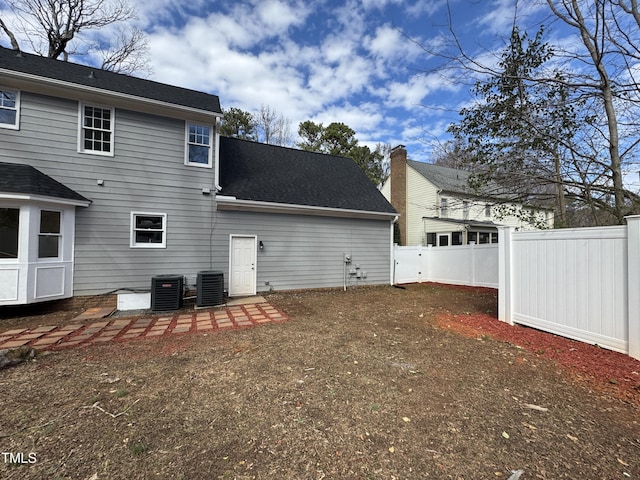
(255, 262)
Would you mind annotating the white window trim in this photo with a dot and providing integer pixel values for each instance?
(59, 235)
(209, 164)
(132, 238)
(20, 221)
(81, 148)
(13, 126)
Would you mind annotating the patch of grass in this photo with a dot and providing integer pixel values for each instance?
(137, 449)
(122, 393)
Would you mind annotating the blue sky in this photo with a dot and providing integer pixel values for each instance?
(330, 61)
(327, 60)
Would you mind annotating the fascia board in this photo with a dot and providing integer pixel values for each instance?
(232, 203)
(44, 199)
(59, 88)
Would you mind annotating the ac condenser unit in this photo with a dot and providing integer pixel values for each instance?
(210, 289)
(166, 292)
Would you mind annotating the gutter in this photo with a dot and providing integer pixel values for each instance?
(232, 203)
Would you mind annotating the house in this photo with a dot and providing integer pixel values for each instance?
(108, 181)
(438, 207)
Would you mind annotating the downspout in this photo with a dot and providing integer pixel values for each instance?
(216, 173)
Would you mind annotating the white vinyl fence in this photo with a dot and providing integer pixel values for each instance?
(581, 283)
(475, 265)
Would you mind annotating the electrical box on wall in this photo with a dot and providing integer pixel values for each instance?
(347, 258)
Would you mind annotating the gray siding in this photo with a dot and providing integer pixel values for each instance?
(307, 252)
(147, 173)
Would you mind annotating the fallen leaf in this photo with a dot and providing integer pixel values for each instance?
(392, 449)
(571, 437)
(623, 462)
(406, 419)
(505, 435)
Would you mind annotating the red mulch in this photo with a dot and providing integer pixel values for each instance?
(604, 369)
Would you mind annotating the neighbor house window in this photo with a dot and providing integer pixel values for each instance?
(472, 237)
(198, 145)
(431, 239)
(487, 210)
(9, 108)
(444, 209)
(96, 130)
(148, 230)
(456, 238)
(465, 210)
(50, 234)
(443, 240)
(9, 224)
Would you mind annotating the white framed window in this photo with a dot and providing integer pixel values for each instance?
(50, 235)
(96, 130)
(9, 232)
(487, 210)
(148, 230)
(444, 208)
(9, 108)
(198, 150)
(465, 211)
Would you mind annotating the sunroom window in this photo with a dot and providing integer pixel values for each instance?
(50, 234)
(9, 227)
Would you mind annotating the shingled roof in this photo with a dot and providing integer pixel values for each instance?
(269, 173)
(27, 180)
(94, 77)
(452, 180)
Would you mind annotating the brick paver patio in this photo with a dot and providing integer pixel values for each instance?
(126, 329)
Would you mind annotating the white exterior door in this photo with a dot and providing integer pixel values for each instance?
(242, 266)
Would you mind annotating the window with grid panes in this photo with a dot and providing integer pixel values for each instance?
(97, 130)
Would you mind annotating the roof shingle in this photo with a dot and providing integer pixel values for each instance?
(25, 179)
(269, 173)
(105, 80)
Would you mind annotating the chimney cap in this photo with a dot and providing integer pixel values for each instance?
(398, 147)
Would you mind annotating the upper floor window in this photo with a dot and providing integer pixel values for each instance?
(487, 210)
(199, 147)
(465, 212)
(96, 130)
(444, 208)
(9, 108)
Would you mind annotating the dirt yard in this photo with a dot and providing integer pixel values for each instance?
(375, 383)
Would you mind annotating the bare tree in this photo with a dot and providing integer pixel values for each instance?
(276, 129)
(51, 26)
(12, 38)
(600, 105)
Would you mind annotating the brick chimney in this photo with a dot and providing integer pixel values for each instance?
(398, 174)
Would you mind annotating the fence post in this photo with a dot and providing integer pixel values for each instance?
(505, 286)
(633, 284)
(472, 264)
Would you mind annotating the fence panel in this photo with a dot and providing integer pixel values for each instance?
(572, 283)
(475, 265)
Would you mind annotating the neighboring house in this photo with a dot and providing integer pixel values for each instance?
(108, 180)
(437, 207)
